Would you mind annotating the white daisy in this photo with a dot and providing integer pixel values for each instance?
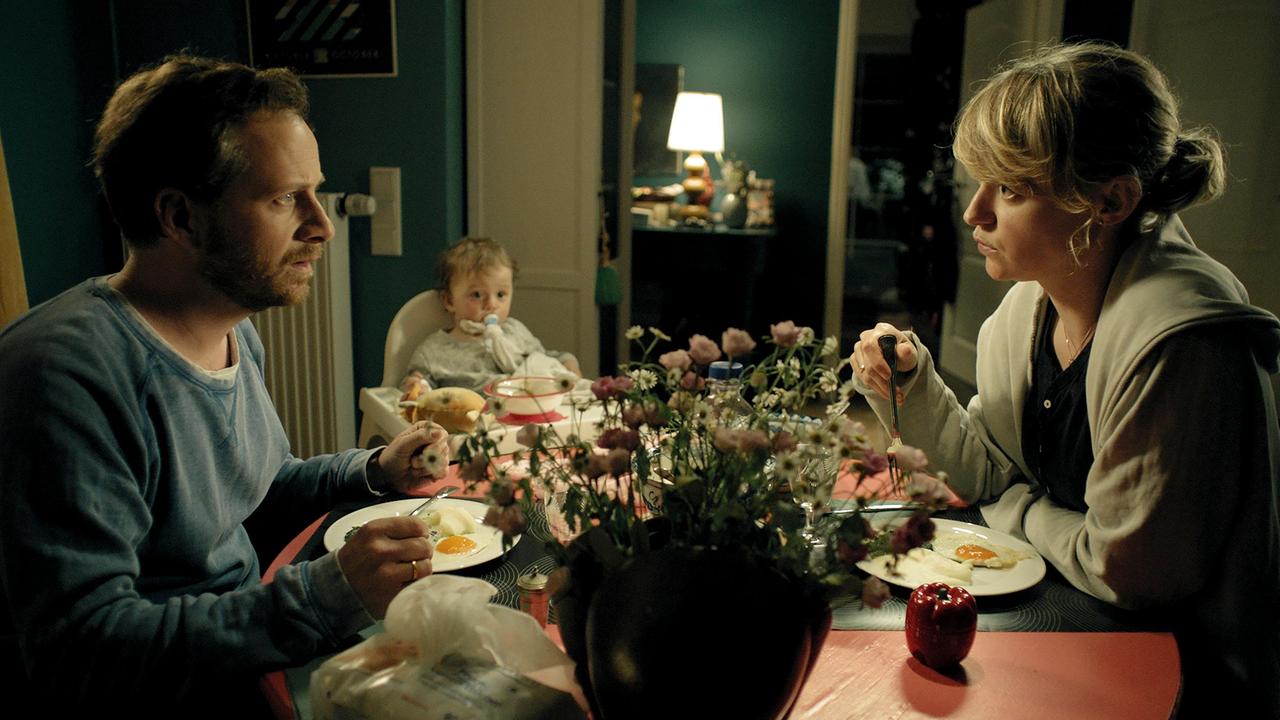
(645, 379)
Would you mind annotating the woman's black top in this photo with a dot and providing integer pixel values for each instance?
(1055, 438)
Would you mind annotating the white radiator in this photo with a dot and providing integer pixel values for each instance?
(309, 352)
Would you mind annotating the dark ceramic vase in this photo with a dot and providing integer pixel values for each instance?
(733, 210)
(683, 632)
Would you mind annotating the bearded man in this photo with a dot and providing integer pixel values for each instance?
(138, 433)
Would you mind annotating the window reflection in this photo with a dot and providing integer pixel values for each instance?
(900, 252)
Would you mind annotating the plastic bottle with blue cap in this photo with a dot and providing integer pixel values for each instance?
(724, 394)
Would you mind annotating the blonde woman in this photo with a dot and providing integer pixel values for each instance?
(1124, 423)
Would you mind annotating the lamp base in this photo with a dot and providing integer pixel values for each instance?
(701, 212)
(698, 187)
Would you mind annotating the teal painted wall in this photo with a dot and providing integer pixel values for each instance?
(416, 122)
(70, 55)
(773, 62)
(57, 74)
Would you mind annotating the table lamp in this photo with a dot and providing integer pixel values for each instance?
(697, 126)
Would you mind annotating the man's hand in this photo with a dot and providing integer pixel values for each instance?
(382, 557)
(415, 457)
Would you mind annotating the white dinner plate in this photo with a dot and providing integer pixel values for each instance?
(986, 581)
(487, 537)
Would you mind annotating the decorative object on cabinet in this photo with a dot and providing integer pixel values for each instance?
(733, 206)
(759, 202)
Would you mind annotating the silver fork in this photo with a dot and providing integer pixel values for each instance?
(888, 348)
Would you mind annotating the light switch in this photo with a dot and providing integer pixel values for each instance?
(384, 186)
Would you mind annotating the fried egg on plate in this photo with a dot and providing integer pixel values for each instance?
(460, 545)
(922, 565)
(963, 547)
(453, 531)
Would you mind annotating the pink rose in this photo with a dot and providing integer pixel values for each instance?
(502, 493)
(692, 382)
(872, 463)
(619, 438)
(784, 442)
(736, 342)
(528, 435)
(917, 531)
(850, 554)
(619, 462)
(753, 440)
(622, 385)
(681, 400)
(785, 333)
(929, 490)
(510, 519)
(744, 441)
(725, 440)
(476, 469)
(606, 387)
(703, 350)
(911, 459)
(602, 388)
(633, 416)
(676, 359)
(655, 414)
(597, 465)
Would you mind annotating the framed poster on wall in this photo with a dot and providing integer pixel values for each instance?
(655, 99)
(324, 38)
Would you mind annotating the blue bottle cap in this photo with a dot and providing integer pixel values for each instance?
(721, 370)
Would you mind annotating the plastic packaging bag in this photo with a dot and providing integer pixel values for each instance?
(447, 652)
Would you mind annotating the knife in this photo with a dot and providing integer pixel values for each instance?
(446, 492)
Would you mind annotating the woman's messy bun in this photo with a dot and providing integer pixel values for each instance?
(1195, 173)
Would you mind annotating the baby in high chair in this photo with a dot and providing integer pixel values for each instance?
(476, 282)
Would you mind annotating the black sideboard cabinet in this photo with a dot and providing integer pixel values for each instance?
(692, 280)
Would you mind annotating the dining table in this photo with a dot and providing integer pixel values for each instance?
(1045, 650)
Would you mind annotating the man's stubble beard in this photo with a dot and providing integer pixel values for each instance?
(248, 280)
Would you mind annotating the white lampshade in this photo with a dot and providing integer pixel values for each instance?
(697, 123)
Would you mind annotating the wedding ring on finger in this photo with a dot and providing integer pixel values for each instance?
(413, 564)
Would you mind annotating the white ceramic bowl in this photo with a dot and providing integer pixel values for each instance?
(527, 394)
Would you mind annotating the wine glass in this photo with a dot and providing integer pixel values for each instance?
(812, 487)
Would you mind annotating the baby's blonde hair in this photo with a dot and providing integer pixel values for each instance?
(471, 255)
(1067, 118)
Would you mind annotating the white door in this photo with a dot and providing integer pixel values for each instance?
(534, 76)
(995, 31)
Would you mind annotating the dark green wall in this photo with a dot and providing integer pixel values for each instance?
(773, 61)
(415, 122)
(57, 72)
(62, 58)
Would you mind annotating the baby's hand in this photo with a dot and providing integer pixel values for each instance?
(571, 364)
(413, 385)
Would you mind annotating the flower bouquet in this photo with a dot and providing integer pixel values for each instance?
(685, 504)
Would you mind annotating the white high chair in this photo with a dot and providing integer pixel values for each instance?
(422, 315)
